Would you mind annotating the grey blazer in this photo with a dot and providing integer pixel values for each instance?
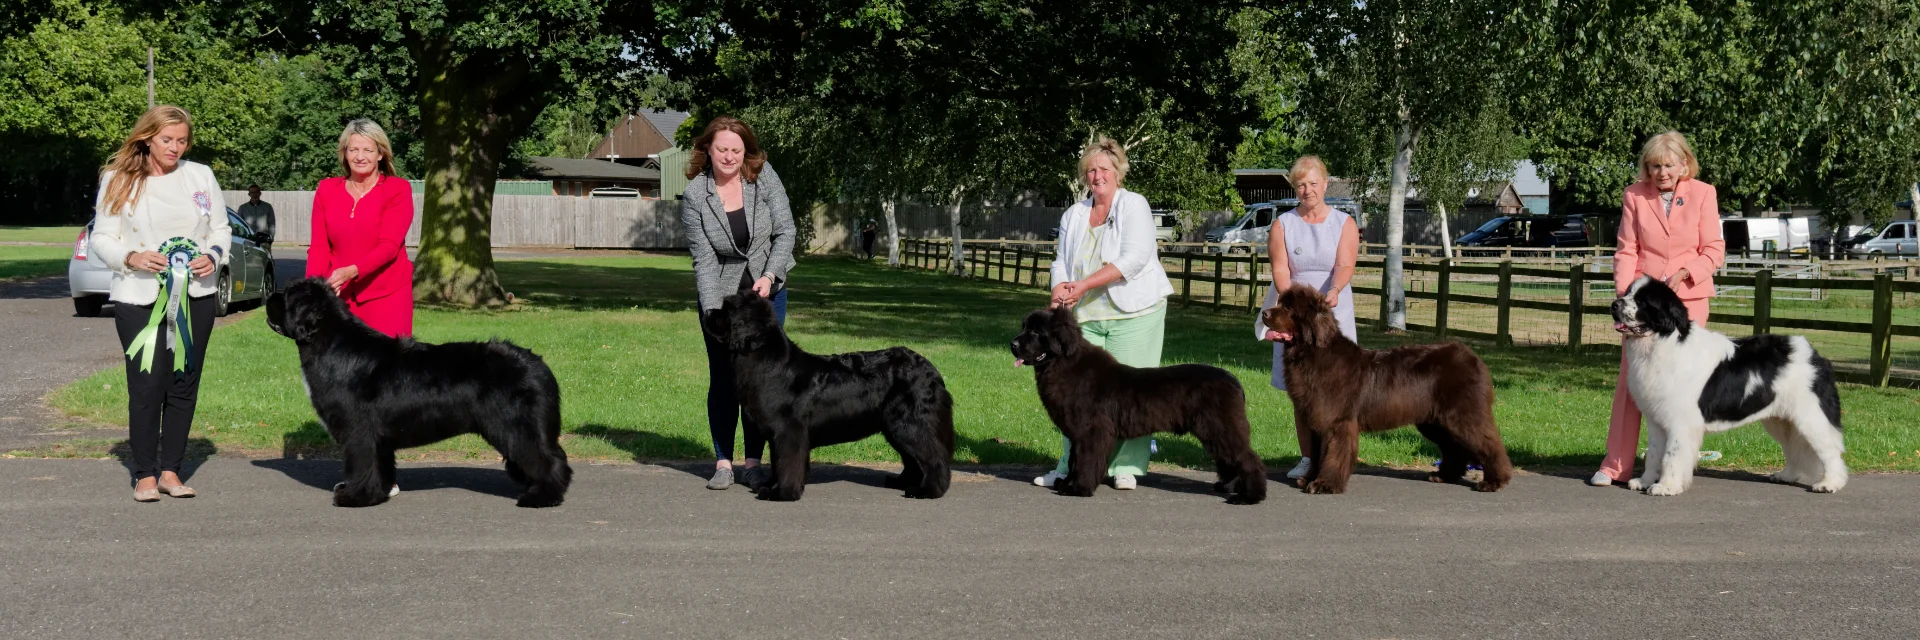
(717, 263)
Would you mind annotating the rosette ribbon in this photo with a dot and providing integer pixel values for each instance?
(172, 315)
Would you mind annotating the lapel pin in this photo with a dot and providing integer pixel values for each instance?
(1679, 202)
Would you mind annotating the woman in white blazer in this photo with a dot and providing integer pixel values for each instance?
(1106, 268)
(161, 226)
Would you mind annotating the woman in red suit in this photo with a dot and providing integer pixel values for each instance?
(359, 238)
(1669, 230)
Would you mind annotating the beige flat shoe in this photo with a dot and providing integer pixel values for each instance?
(146, 495)
(177, 491)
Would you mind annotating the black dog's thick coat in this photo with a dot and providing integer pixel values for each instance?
(376, 394)
(1096, 402)
(803, 401)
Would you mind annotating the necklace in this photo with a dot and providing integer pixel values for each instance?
(351, 186)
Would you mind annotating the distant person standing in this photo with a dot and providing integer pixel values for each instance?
(868, 231)
(257, 214)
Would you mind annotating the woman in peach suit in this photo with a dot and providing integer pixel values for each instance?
(1669, 230)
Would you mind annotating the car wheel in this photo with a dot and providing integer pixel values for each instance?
(89, 306)
(222, 294)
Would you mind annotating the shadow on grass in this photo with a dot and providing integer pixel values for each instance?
(197, 452)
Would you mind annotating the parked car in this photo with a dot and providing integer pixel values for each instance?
(1897, 239)
(1550, 231)
(1166, 226)
(1251, 227)
(1851, 237)
(248, 274)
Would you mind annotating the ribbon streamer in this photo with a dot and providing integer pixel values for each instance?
(172, 313)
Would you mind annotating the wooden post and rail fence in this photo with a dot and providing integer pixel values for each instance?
(1231, 282)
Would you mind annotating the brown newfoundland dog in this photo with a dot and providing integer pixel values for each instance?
(1096, 402)
(1340, 390)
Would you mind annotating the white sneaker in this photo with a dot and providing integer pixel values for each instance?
(1124, 482)
(1600, 479)
(394, 491)
(1300, 469)
(1048, 480)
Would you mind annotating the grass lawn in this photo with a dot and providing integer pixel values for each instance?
(24, 262)
(620, 334)
(63, 235)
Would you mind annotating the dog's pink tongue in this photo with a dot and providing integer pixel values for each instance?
(1620, 327)
(1017, 362)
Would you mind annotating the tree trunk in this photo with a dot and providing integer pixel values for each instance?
(1913, 201)
(893, 235)
(471, 111)
(959, 244)
(1446, 237)
(1395, 296)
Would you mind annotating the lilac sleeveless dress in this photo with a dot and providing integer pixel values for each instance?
(1312, 250)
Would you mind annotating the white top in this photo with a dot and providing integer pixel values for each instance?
(169, 206)
(1129, 245)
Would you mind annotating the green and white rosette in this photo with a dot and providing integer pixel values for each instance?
(171, 312)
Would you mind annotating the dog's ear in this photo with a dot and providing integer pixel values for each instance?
(1063, 331)
(306, 307)
(1661, 310)
(1321, 329)
(277, 312)
(750, 323)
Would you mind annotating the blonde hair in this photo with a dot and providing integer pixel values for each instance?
(1306, 165)
(370, 130)
(1114, 152)
(130, 163)
(1669, 147)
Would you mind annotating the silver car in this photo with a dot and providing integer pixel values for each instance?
(248, 274)
(1898, 239)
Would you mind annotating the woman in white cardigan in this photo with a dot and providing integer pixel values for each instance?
(1106, 268)
(161, 226)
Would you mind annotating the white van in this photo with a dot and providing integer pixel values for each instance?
(1752, 235)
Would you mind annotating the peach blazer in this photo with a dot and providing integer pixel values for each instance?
(1659, 245)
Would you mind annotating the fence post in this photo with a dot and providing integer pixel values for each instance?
(1882, 358)
(1576, 303)
(1762, 301)
(1253, 283)
(1503, 328)
(1186, 276)
(1440, 309)
(1219, 274)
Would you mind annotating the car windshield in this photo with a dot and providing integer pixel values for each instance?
(1491, 225)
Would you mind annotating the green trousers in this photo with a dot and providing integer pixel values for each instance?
(1135, 342)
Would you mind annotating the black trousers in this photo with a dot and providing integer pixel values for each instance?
(160, 402)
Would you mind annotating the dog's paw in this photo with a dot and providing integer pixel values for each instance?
(1222, 486)
(1488, 486)
(776, 493)
(1828, 486)
(1322, 486)
(894, 481)
(1067, 489)
(1634, 484)
(1435, 477)
(344, 498)
(1242, 499)
(1665, 489)
(542, 500)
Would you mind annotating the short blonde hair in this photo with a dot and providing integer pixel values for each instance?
(1114, 152)
(1307, 165)
(370, 130)
(1669, 147)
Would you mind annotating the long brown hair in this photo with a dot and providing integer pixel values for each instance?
(755, 156)
(131, 162)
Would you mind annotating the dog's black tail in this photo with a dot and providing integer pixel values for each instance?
(1825, 389)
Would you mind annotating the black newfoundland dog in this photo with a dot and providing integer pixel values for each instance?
(1340, 390)
(376, 394)
(803, 401)
(1096, 402)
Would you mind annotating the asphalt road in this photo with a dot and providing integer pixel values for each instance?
(644, 551)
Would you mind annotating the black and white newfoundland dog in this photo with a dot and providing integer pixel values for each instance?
(1096, 402)
(1689, 381)
(804, 401)
(376, 394)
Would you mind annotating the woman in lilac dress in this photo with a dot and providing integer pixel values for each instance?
(1315, 245)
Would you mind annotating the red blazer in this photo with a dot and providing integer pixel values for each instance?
(371, 235)
(1658, 245)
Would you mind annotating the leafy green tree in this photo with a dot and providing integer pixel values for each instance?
(479, 74)
(1474, 153)
(1393, 71)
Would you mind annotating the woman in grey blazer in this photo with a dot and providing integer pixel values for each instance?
(739, 228)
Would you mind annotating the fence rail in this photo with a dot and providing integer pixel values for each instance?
(1498, 292)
